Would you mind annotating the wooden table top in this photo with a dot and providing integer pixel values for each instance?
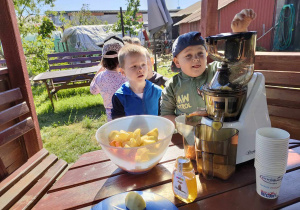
(94, 177)
(65, 73)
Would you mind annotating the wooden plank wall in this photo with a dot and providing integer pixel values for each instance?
(282, 74)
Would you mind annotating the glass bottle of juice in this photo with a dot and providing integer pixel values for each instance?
(184, 180)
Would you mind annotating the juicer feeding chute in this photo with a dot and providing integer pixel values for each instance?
(236, 51)
(232, 48)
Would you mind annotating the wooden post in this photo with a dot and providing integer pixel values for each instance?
(209, 18)
(18, 74)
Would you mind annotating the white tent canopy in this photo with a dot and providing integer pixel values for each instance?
(86, 38)
(90, 37)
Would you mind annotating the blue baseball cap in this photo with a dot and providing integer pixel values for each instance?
(188, 39)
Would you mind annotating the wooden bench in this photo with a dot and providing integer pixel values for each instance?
(2, 62)
(282, 74)
(57, 61)
(69, 70)
(25, 186)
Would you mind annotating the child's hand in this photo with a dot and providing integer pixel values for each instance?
(242, 20)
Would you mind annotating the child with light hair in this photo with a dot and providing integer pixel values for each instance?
(127, 40)
(153, 76)
(138, 96)
(136, 41)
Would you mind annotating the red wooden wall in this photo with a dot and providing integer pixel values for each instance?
(265, 11)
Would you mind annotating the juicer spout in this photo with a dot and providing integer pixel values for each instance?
(218, 119)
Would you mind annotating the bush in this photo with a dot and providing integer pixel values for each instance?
(36, 54)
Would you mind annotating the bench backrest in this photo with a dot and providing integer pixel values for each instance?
(71, 60)
(12, 107)
(25, 185)
(282, 75)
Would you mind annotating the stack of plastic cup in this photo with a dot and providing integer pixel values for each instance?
(271, 152)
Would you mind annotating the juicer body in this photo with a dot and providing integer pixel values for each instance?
(254, 115)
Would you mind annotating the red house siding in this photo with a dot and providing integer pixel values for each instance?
(195, 26)
(265, 11)
(187, 27)
(184, 28)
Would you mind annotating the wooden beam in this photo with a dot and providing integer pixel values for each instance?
(283, 61)
(18, 74)
(209, 18)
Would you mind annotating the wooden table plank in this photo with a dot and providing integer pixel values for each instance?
(108, 169)
(92, 193)
(244, 175)
(98, 156)
(293, 159)
(65, 73)
(207, 188)
(295, 206)
(158, 180)
(247, 197)
(90, 158)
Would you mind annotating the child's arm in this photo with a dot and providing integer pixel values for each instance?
(242, 20)
(168, 104)
(118, 108)
(170, 117)
(94, 89)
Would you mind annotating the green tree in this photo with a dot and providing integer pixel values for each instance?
(30, 21)
(84, 17)
(36, 54)
(130, 18)
(28, 14)
(46, 28)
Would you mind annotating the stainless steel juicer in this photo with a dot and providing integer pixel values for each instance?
(236, 97)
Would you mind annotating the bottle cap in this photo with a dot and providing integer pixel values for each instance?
(185, 163)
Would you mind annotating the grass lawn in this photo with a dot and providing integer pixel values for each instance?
(69, 130)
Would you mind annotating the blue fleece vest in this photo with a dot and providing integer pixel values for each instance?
(134, 105)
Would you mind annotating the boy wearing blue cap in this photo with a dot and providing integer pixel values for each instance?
(189, 53)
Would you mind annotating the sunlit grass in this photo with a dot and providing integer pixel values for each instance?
(69, 130)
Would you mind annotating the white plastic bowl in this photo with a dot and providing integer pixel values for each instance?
(137, 159)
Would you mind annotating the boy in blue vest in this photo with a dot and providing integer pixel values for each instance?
(190, 54)
(137, 96)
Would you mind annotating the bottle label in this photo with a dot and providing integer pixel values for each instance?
(179, 185)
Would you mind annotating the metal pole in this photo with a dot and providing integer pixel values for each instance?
(122, 23)
(155, 62)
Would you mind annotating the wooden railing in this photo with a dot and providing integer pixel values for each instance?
(282, 74)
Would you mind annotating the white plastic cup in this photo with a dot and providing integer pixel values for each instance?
(272, 134)
(269, 158)
(270, 171)
(271, 148)
(268, 186)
